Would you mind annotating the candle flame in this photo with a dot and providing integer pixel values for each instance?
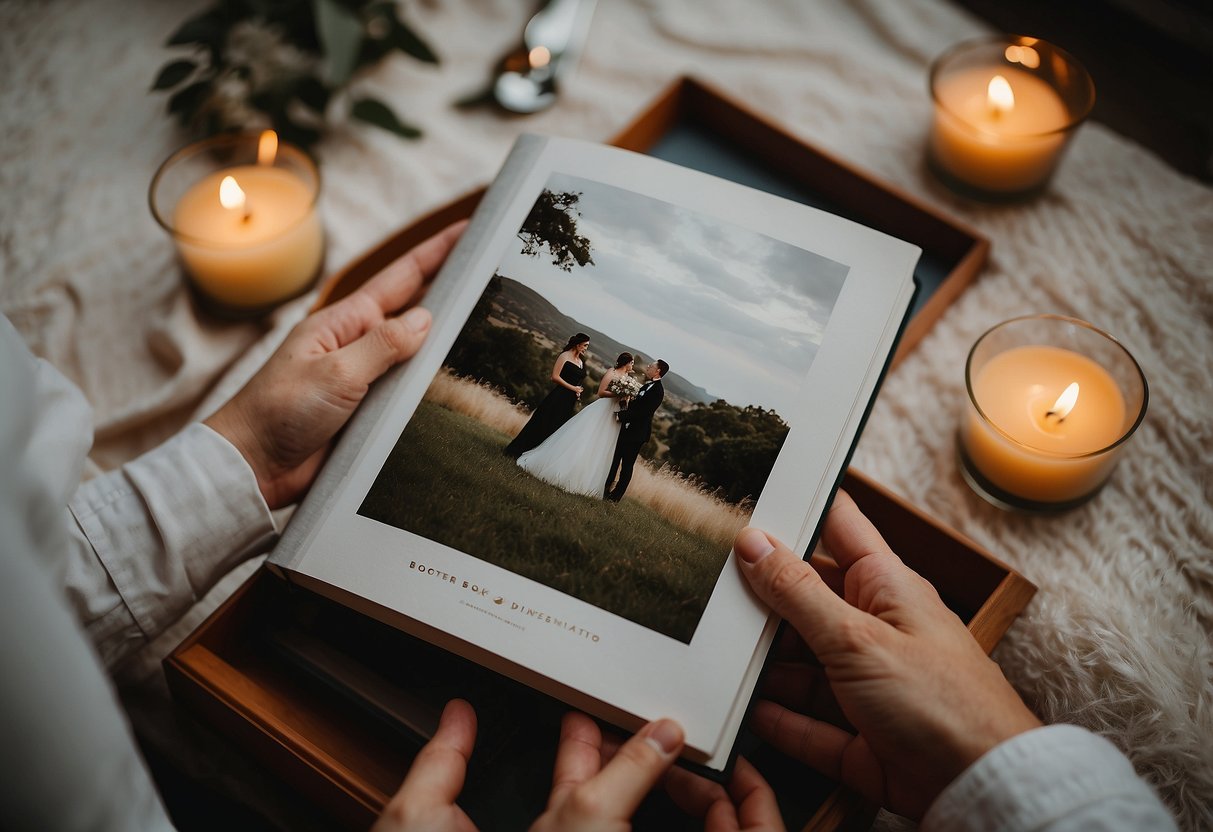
(1000, 96)
(540, 57)
(230, 194)
(1065, 402)
(267, 148)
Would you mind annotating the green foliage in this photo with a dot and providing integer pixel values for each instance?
(279, 64)
(373, 111)
(553, 223)
(173, 74)
(508, 358)
(448, 481)
(340, 32)
(728, 448)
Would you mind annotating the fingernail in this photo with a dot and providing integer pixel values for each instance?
(417, 319)
(665, 735)
(752, 545)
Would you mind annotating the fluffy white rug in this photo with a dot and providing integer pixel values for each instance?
(1117, 640)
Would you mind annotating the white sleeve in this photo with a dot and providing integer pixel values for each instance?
(143, 542)
(149, 539)
(68, 758)
(1059, 778)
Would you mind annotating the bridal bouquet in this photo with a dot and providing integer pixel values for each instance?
(624, 386)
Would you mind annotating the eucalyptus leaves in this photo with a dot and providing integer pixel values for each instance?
(279, 64)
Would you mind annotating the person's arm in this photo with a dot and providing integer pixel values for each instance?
(652, 400)
(146, 541)
(1053, 779)
(603, 392)
(68, 757)
(926, 710)
(149, 539)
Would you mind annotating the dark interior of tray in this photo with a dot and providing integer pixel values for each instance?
(509, 778)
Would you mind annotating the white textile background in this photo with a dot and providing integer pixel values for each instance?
(1118, 639)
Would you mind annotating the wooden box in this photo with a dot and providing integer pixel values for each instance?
(336, 725)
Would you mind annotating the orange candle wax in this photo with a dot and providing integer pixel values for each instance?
(1046, 416)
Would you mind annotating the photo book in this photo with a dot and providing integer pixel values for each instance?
(630, 361)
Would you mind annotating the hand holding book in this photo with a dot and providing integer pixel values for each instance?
(898, 665)
(285, 418)
(924, 699)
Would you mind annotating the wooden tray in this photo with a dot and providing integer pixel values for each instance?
(333, 744)
(343, 757)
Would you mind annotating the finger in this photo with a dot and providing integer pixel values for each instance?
(395, 286)
(754, 798)
(617, 790)
(438, 771)
(722, 817)
(849, 536)
(384, 346)
(793, 684)
(805, 689)
(795, 591)
(692, 794)
(578, 756)
(815, 743)
(830, 572)
(389, 290)
(790, 647)
(610, 746)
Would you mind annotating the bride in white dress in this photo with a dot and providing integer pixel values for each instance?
(577, 457)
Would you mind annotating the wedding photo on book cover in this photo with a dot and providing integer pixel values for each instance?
(612, 408)
(630, 361)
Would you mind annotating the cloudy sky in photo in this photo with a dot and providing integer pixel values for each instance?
(734, 311)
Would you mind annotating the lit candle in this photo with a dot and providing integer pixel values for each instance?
(1004, 112)
(248, 234)
(1045, 422)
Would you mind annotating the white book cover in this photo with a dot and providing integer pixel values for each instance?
(757, 331)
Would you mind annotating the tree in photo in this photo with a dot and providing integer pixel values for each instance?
(728, 448)
(505, 357)
(553, 223)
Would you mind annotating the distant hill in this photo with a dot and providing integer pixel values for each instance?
(526, 309)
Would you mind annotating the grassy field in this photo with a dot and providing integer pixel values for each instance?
(447, 480)
(682, 502)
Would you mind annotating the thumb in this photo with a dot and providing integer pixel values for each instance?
(617, 791)
(388, 343)
(793, 589)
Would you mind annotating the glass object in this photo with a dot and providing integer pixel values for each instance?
(1051, 403)
(241, 209)
(1006, 107)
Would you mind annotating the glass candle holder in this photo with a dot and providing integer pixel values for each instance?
(1006, 107)
(1052, 401)
(241, 209)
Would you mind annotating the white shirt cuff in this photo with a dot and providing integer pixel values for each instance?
(1056, 777)
(173, 522)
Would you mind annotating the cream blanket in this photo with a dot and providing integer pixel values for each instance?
(1118, 639)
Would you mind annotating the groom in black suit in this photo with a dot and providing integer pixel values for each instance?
(635, 430)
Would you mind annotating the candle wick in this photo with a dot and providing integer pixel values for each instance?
(248, 215)
(1054, 413)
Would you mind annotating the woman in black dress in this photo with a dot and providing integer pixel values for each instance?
(568, 373)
